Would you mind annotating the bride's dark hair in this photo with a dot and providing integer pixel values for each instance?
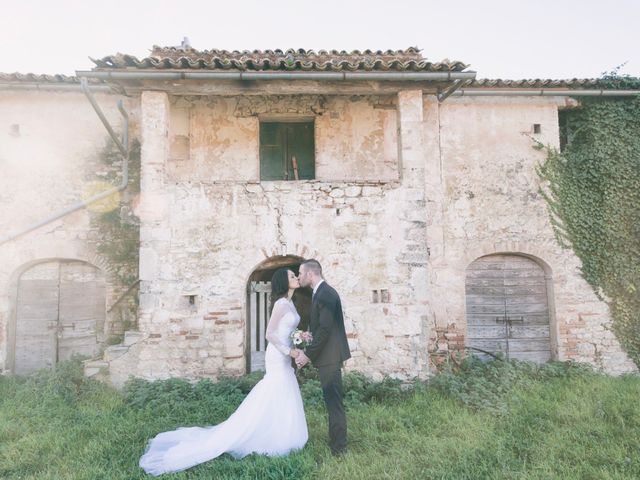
(279, 285)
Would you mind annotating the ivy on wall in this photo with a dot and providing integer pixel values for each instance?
(117, 230)
(592, 189)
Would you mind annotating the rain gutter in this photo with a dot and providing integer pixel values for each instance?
(243, 75)
(464, 92)
(459, 78)
(51, 86)
(123, 147)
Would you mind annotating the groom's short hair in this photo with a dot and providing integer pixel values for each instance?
(313, 265)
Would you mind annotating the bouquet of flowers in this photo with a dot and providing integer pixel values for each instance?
(301, 338)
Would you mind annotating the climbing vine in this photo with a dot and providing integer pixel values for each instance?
(117, 231)
(118, 227)
(592, 188)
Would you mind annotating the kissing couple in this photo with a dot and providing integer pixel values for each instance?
(270, 420)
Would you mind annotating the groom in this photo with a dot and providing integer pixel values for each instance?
(328, 349)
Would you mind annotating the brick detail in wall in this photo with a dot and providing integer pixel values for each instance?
(447, 343)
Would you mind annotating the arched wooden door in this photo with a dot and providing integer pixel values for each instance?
(507, 308)
(60, 305)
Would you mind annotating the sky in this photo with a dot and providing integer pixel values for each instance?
(513, 39)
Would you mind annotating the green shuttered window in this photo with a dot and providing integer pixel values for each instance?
(280, 144)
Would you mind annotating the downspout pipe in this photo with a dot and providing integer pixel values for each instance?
(123, 147)
(450, 91)
(242, 75)
(123, 150)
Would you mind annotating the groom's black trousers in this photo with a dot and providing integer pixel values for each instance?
(331, 381)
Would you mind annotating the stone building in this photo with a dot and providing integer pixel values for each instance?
(412, 183)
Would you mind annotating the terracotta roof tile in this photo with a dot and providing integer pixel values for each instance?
(279, 60)
(37, 78)
(574, 83)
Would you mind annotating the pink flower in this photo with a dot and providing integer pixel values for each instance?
(301, 339)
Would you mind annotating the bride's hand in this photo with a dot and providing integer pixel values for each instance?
(294, 353)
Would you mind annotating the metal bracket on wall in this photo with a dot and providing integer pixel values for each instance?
(456, 85)
(508, 321)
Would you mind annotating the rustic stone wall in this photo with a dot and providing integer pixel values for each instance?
(409, 192)
(217, 138)
(206, 236)
(487, 202)
(51, 148)
(464, 186)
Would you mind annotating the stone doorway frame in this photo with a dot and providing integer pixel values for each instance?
(263, 272)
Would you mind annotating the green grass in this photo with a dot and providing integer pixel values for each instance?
(494, 421)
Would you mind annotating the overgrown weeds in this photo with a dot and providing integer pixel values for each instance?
(487, 385)
(555, 421)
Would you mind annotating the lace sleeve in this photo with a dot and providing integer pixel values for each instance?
(280, 309)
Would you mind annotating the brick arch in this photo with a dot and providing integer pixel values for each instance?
(270, 255)
(544, 253)
(96, 261)
(58, 252)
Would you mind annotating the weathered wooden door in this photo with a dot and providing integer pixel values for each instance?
(259, 301)
(37, 319)
(59, 306)
(82, 309)
(507, 308)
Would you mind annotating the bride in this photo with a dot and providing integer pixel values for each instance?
(270, 420)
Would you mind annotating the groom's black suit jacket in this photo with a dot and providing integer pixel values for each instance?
(329, 345)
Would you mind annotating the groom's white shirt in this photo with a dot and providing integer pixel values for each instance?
(316, 288)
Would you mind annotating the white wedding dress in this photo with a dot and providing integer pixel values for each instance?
(269, 421)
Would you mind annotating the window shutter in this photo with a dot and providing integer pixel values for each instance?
(272, 151)
(279, 143)
(301, 145)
